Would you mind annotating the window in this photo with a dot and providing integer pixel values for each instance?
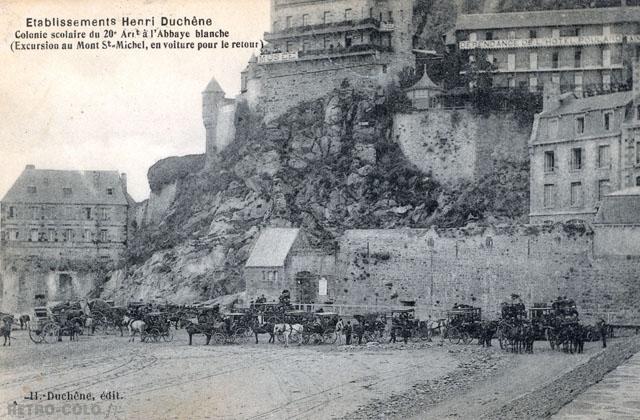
(87, 235)
(511, 62)
(67, 191)
(533, 61)
(512, 82)
(638, 153)
(31, 189)
(578, 82)
(306, 45)
(109, 191)
(390, 15)
(565, 32)
(576, 194)
(606, 81)
(555, 33)
(553, 128)
(371, 12)
(512, 34)
(606, 30)
(104, 214)
(12, 212)
(637, 185)
(603, 188)
(288, 22)
(603, 156)
(326, 18)
(555, 79)
(347, 14)
(579, 125)
(52, 235)
(33, 237)
(87, 213)
(549, 161)
(554, 60)
(488, 36)
(35, 212)
(606, 57)
(69, 235)
(473, 36)
(322, 287)
(606, 122)
(638, 112)
(276, 25)
(533, 84)
(305, 19)
(104, 235)
(289, 46)
(275, 276)
(533, 34)
(577, 58)
(348, 40)
(549, 195)
(576, 159)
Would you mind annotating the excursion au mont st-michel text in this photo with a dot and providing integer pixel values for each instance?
(124, 33)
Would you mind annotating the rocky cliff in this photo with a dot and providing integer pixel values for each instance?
(326, 166)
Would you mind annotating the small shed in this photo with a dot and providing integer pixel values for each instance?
(617, 224)
(425, 94)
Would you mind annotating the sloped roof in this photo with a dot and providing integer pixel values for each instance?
(213, 86)
(596, 16)
(591, 103)
(87, 187)
(272, 247)
(425, 83)
(620, 207)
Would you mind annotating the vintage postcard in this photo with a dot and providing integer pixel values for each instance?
(320, 209)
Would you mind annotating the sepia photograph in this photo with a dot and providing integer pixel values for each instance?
(320, 209)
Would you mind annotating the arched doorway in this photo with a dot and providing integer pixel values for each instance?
(306, 287)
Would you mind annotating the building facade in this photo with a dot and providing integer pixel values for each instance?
(580, 50)
(581, 149)
(314, 45)
(56, 229)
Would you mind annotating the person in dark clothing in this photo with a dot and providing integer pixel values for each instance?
(360, 332)
(392, 333)
(602, 327)
(347, 332)
(406, 332)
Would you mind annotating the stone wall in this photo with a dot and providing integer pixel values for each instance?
(458, 144)
(483, 268)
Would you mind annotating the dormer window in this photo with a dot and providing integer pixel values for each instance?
(67, 191)
(109, 191)
(31, 189)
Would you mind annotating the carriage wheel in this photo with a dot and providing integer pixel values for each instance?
(154, 334)
(280, 337)
(329, 337)
(168, 336)
(415, 335)
(240, 336)
(50, 333)
(218, 338)
(454, 335)
(295, 337)
(466, 338)
(36, 335)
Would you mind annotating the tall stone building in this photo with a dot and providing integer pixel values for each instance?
(579, 49)
(218, 117)
(57, 228)
(581, 149)
(315, 45)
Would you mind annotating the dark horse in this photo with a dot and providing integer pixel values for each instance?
(486, 332)
(5, 329)
(24, 321)
(265, 328)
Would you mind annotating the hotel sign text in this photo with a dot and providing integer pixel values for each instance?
(549, 42)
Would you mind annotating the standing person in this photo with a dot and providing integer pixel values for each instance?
(392, 333)
(406, 332)
(347, 332)
(339, 328)
(602, 326)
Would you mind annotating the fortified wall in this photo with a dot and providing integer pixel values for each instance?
(483, 267)
(445, 142)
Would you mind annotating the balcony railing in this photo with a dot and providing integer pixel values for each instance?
(345, 25)
(277, 56)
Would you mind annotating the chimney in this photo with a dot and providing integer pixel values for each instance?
(123, 181)
(30, 166)
(550, 96)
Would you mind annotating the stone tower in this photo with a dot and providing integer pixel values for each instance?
(212, 101)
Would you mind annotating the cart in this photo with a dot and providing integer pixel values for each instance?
(464, 323)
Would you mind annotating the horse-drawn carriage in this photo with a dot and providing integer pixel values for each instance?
(515, 331)
(157, 327)
(320, 327)
(49, 325)
(464, 323)
(107, 318)
(561, 326)
(370, 326)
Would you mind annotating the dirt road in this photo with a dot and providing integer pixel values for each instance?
(173, 380)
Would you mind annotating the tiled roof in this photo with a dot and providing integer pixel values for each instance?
(591, 103)
(425, 83)
(66, 187)
(620, 207)
(272, 247)
(596, 16)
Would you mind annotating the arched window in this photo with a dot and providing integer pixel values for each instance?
(489, 242)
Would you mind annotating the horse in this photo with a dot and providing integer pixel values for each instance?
(288, 330)
(263, 328)
(135, 326)
(5, 329)
(25, 320)
(487, 331)
(440, 326)
(193, 327)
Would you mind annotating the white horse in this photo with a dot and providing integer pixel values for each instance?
(134, 326)
(289, 331)
(441, 326)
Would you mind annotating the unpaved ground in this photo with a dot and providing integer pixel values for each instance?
(173, 380)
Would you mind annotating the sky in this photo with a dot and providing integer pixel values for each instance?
(113, 110)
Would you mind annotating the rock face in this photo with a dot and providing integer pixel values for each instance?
(326, 166)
